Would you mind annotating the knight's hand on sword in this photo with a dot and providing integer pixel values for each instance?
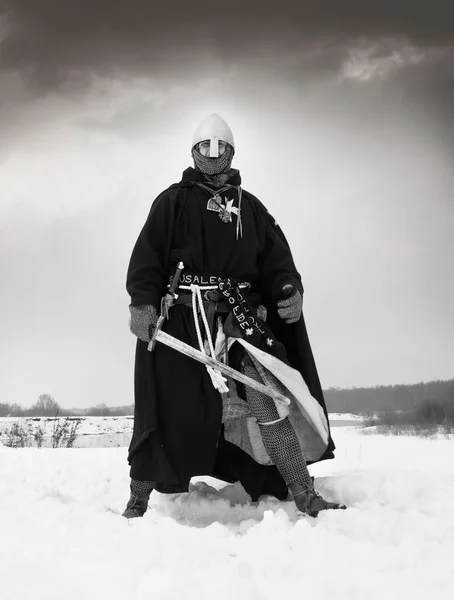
(166, 302)
(201, 357)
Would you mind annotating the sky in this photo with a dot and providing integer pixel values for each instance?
(342, 117)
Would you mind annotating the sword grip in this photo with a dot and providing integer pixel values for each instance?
(167, 300)
(175, 280)
(166, 303)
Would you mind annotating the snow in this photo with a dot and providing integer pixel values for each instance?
(62, 534)
(88, 425)
(345, 417)
(101, 432)
(107, 425)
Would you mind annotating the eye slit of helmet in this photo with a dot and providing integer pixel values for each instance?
(206, 145)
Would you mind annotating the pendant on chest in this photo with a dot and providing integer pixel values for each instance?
(224, 210)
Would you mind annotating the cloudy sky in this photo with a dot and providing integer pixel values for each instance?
(344, 124)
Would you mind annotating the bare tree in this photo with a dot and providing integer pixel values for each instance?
(45, 406)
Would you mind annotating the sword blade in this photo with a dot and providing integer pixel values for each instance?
(176, 344)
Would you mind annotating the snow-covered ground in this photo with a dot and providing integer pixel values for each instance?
(345, 417)
(91, 432)
(88, 425)
(62, 535)
(98, 432)
(107, 425)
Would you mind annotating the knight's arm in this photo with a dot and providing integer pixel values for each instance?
(148, 266)
(276, 264)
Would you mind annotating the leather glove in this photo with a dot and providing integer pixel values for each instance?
(290, 306)
(143, 321)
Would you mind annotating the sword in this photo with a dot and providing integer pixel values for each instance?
(176, 344)
(166, 303)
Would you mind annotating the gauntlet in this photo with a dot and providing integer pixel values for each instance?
(143, 321)
(290, 306)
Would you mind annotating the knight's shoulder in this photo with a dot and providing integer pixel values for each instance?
(170, 194)
(258, 206)
(254, 201)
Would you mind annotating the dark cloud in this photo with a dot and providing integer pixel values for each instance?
(60, 45)
(56, 34)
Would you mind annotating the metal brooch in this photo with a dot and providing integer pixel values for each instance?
(224, 210)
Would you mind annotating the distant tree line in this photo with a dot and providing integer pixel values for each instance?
(47, 406)
(102, 410)
(362, 400)
(367, 401)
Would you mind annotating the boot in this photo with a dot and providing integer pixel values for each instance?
(136, 507)
(310, 502)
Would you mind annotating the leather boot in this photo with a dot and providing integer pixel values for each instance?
(136, 507)
(310, 502)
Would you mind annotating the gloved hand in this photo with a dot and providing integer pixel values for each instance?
(291, 305)
(143, 321)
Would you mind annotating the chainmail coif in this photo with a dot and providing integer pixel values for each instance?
(215, 170)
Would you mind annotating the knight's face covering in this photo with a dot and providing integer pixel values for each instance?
(213, 166)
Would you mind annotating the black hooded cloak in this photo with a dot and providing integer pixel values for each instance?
(177, 417)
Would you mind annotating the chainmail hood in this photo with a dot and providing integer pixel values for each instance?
(215, 170)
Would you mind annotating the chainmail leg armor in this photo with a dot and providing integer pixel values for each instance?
(279, 439)
(141, 489)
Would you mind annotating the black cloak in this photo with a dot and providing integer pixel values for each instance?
(178, 432)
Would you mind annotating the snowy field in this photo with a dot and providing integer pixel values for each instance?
(100, 432)
(107, 425)
(88, 426)
(62, 535)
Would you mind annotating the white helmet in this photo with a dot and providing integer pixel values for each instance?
(215, 129)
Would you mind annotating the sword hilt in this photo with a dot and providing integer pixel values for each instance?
(170, 296)
(166, 303)
(175, 280)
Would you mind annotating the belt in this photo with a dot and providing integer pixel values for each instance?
(204, 280)
(209, 297)
(213, 303)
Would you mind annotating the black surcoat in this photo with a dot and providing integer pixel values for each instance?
(177, 418)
